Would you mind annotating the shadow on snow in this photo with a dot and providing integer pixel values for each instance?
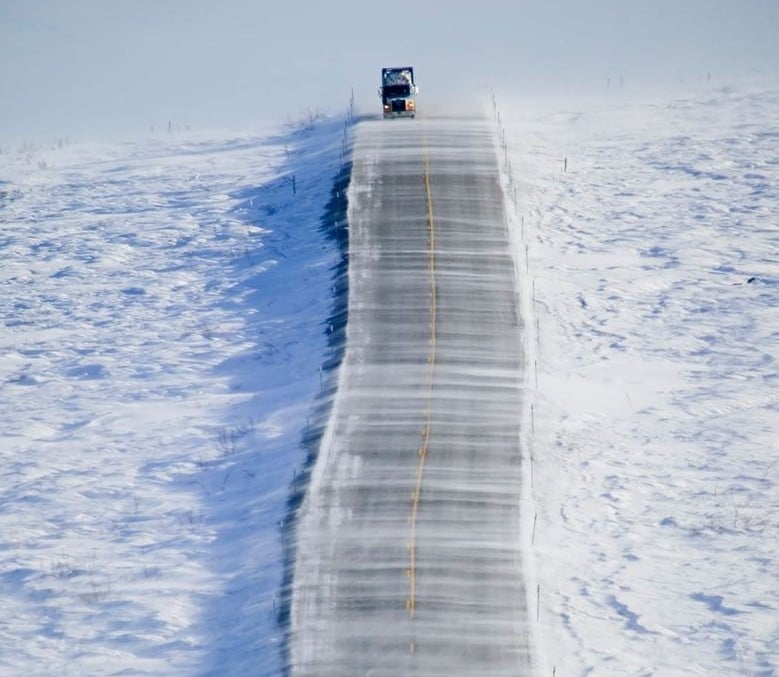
(291, 293)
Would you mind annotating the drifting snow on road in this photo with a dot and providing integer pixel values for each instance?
(409, 551)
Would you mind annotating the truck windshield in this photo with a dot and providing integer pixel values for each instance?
(396, 90)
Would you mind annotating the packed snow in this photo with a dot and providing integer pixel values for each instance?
(648, 237)
(166, 308)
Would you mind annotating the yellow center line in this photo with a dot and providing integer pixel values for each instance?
(412, 545)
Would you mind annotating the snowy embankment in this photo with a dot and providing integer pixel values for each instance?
(649, 243)
(165, 312)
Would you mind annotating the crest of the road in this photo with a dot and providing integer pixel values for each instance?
(408, 556)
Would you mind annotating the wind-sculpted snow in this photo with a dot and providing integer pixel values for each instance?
(652, 234)
(166, 312)
(410, 537)
(165, 316)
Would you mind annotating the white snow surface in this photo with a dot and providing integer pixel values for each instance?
(647, 236)
(164, 307)
(163, 310)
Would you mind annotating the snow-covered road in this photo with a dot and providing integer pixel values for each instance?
(408, 554)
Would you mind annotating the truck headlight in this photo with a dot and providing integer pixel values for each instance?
(410, 105)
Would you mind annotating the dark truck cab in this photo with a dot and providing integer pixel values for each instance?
(398, 92)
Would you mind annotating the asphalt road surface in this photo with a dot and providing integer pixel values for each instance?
(408, 544)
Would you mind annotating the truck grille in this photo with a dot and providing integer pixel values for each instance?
(398, 105)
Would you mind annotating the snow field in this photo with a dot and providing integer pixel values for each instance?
(164, 306)
(648, 231)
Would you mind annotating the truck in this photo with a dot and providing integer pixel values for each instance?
(398, 92)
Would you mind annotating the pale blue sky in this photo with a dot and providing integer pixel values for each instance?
(89, 68)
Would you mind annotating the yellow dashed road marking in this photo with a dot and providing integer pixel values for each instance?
(411, 601)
